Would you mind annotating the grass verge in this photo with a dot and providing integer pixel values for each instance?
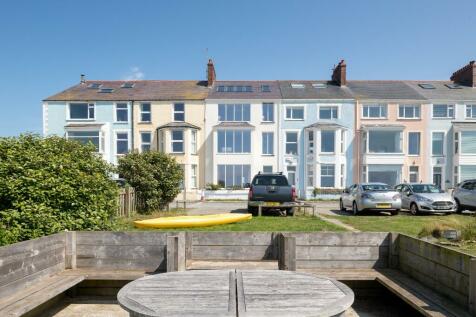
(263, 224)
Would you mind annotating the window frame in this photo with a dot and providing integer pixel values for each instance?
(172, 141)
(327, 176)
(175, 112)
(410, 173)
(116, 139)
(460, 139)
(142, 112)
(233, 131)
(443, 146)
(267, 105)
(337, 112)
(234, 106)
(448, 106)
(142, 143)
(116, 109)
(472, 110)
(234, 173)
(266, 135)
(367, 142)
(286, 142)
(408, 143)
(333, 143)
(194, 176)
(286, 118)
(193, 141)
(89, 105)
(406, 106)
(380, 117)
(101, 145)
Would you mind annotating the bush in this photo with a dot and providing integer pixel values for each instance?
(212, 186)
(50, 185)
(155, 176)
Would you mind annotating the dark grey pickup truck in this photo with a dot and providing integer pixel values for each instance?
(271, 191)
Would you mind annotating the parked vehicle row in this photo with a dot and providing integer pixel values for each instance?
(418, 198)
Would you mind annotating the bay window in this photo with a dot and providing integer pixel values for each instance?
(327, 175)
(468, 142)
(177, 141)
(328, 141)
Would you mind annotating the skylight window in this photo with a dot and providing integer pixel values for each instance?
(294, 85)
(106, 90)
(319, 85)
(94, 85)
(426, 86)
(128, 85)
(265, 88)
(234, 88)
(453, 86)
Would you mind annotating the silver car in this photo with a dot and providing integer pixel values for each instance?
(371, 196)
(465, 195)
(425, 198)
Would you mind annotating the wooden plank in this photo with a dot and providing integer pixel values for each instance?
(146, 264)
(342, 238)
(287, 253)
(472, 287)
(351, 264)
(70, 250)
(444, 256)
(344, 274)
(120, 252)
(232, 238)
(122, 238)
(224, 252)
(172, 254)
(228, 265)
(110, 275)
(29, 299)
(23, 247)
(393, 250)
(442, 275)
(190, 293)
(285, 293)
(340, 253)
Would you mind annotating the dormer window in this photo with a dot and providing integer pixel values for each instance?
(265, 88)
(128, 85)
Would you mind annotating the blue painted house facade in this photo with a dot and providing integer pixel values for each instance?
(316, 135)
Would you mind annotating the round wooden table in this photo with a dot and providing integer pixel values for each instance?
(231, 293)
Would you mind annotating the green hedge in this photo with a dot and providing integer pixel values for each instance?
(52, 184)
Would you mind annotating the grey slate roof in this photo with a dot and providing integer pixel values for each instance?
(331, 92)
(383, 90)
(143, 90)
(255, 94)
(178, 125)
(443, 93)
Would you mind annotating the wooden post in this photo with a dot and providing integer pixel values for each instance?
(172, 253)
(472, 286)
(176, 253)
(287, 253)
(70, 250)
(393, 250)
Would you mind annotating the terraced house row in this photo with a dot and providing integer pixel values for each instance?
(320, 133)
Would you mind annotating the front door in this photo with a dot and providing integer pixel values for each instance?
(437, 176)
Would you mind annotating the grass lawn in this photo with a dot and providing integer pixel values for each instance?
(265, 223)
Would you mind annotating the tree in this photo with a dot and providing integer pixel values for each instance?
(52, 184)
(156, 177)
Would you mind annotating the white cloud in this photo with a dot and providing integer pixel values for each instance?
(134, 74)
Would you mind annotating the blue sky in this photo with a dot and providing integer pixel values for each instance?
(46, 45)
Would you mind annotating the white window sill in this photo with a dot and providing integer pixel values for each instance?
(289, 119)
(121, 122)
(81, 119)
(372, 118)
(267, 122)
(412, 119)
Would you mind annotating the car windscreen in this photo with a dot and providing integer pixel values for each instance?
(375, 187)
(425, 188)
(270, 180)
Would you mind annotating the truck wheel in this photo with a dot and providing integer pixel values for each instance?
(253, 210)
(290, 211)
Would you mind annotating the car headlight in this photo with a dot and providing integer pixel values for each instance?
(424, 200)
(367, 196)
(397, 197)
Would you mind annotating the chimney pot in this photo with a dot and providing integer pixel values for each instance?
(211, 75)
(82, 79)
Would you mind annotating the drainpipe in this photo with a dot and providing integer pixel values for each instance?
(132, 124)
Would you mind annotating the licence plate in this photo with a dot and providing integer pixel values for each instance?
(272, 204)
(441, 207)
(384, 205)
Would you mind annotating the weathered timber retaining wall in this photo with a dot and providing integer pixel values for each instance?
(24, 263)
(442, 269)
(122, 250)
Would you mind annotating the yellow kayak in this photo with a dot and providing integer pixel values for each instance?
(191, 221)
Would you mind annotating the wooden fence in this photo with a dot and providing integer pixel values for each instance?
(128, 202)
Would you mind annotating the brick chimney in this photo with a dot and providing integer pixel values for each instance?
(339, 75)
(465, 76)
(211, 76)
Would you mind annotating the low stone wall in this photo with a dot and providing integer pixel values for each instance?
(442, 269)
(24, 263)
(226, 194)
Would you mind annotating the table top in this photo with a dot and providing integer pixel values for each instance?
(230, 293)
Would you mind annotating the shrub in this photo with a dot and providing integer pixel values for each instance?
(51, 184)
(155, 176)
(435, 228)
(213, 186)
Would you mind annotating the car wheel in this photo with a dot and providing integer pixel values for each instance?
(342, 207)
(355, 209)
(459, 208)
(394, 212)
(414, 209)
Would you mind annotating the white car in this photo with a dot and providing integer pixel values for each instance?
(425, 198)
(371, 196)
